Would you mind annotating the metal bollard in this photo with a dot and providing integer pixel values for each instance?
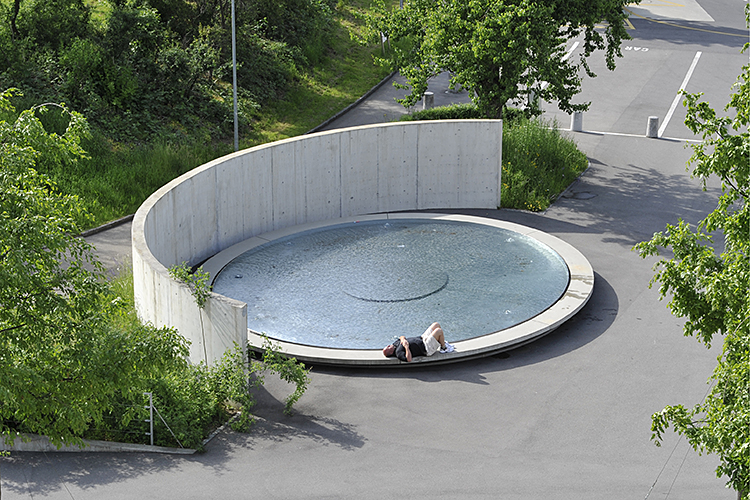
(428, 100)
(652, 130)
(576, 122)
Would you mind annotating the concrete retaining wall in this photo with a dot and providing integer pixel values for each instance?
(328, 175)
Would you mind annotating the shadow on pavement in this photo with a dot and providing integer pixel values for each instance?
(591, 322)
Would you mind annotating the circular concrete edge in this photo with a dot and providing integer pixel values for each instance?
(579, 290)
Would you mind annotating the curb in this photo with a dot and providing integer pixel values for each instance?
(354, 104)
(108, 225)
(36, 443)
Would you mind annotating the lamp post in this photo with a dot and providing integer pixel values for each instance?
(234, 82)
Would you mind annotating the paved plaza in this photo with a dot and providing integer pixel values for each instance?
(566, 417)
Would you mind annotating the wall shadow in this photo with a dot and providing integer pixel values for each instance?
(592, 321)
(33, 475)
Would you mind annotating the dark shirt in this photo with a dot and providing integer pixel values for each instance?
(416, 346)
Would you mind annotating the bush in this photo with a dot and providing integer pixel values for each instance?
(267, 68)
(451, 112)
(539, 163)
(53, 24)
(192, 400)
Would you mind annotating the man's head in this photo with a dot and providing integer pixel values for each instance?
(389, 350)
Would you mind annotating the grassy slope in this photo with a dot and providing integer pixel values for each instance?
(119, 177)
(326, 89)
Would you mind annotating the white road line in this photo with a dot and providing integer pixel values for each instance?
(570, 51)
(677, 97)
(637, 136)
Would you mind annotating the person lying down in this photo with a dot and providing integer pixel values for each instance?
(431, 341)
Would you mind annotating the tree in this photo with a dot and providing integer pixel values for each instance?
(62, 362)
(501, 50)
(713, 290)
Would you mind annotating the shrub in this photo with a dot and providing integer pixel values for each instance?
(539, 163)
(451, 112)
(54, 24)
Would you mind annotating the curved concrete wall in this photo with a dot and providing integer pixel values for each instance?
(328, 175)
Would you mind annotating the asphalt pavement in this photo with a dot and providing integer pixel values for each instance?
(566, 417)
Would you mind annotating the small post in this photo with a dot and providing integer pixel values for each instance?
(652, 130)
(150, 420)
(428, 100)
(576, 122)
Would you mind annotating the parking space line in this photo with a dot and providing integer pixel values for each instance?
(679, 94)
(570, 51)
(638, 136)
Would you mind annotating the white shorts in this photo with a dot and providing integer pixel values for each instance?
(430, 343)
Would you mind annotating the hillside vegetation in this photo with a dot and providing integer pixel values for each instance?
(154, 80)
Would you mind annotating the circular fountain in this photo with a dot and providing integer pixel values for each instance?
(251, 198)
(338, 292)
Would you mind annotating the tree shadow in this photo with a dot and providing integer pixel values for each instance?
(272, 424)
(32, 474)
(624, 203)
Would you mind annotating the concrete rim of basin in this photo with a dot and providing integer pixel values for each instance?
(576, 295)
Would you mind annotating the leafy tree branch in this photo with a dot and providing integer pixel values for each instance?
(502, 52)
(708, 285)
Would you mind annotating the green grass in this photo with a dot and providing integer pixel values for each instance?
(539, 163)
(348, 72)
(119, 177)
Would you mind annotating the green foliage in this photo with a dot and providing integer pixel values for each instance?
(62, 362)
(150, 68)
(268, 67)
(119, 177)
(500, 51)
(709, 286)
(159, 101)
(288, 369)
(53, 24)
(539, 163)
(451, 112)
(197, 399)
(197, 281)
(192, 399)
(74, 358)
(273, 359)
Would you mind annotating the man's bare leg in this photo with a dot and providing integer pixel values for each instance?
(436, 331)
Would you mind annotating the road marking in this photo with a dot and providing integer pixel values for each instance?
(570, 51)
(626, 22)
(679, 94)
(637, 136)
(673, 4)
